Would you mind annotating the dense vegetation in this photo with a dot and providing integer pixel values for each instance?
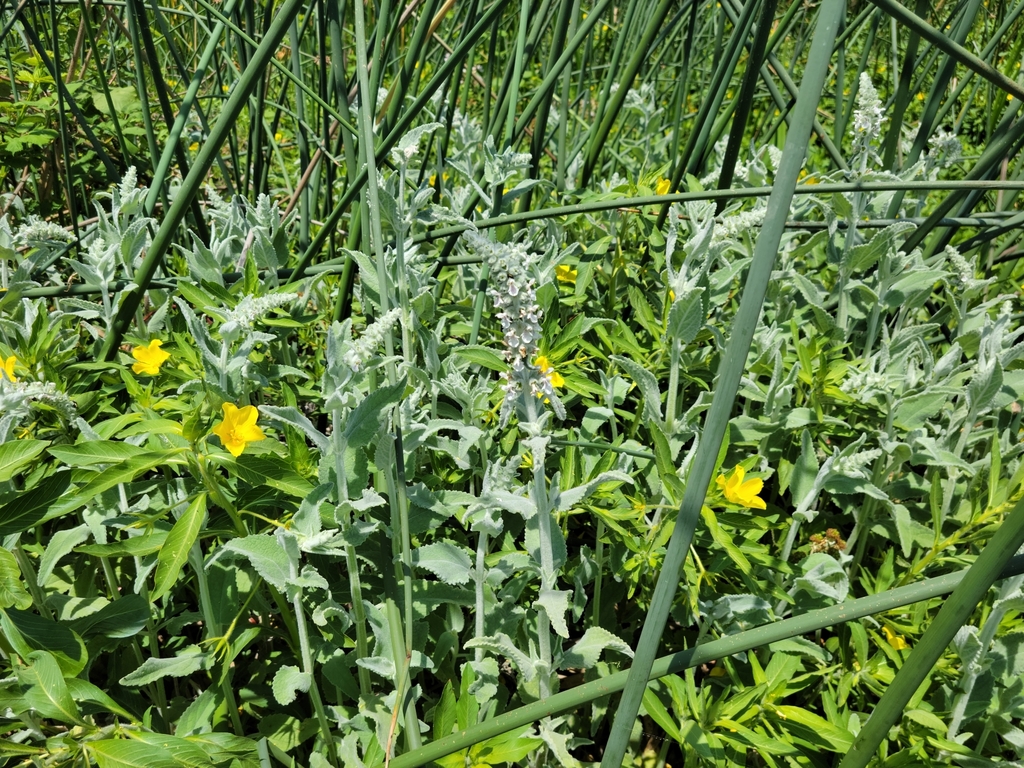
(301, 470)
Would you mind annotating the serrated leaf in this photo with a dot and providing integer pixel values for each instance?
(190, 659)
(362, 424)
(267, 556)
(12, 591)
(287, 680)
(502, 644)
(586, 651)
(179, 542)
(646, 382)
(555, 603)
(15, 454)
(445, 560)
(686, 316)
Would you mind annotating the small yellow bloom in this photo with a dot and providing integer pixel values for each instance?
(238, 428)
(743, 493)
(896, 641)
(278, 137)
(7, 368)
(920, 97)
(549, 372)
(193, 147)
(150, 358)
(663, 187)
(565, 274)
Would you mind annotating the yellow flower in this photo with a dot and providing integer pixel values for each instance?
(743, 493)
(238, 428)
(7, 368)
(150, 358)
(193, 147)
(278, 137)
(548, 371)
(565, 274)
(663, 187)
(896, 641)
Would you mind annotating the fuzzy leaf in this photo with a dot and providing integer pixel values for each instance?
(587, 650)
(555, 603)
(287, 680)
(267, 556)
(448, 562)
(648, 386)
(191, 659)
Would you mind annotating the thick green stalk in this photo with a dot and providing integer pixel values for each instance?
(190, 187)
(758, 637)
(954, 614)
(729, 375)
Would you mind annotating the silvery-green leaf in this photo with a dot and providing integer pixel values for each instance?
(267, 556)
(646, 382)
(555, 603)
(362, 424)
(573, 496)
(586, 651)
(984, 386)
(558, 742)
(309, 578)
(380, 665)
(295, 418)
(823, 575)
(485, 686)
(408, 146)
(287, 681)
(445, 560)
(502, 645)
(686, 316)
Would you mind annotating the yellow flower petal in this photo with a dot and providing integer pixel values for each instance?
(149, 358)
(663, 187)
(549, 372)
(898, 642)
(565, 274)
(238, 428)
(742, 492)
(7, 368)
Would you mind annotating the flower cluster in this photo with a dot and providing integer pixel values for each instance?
(366, 346)
(249, 310)
(513, 291)
(870, 112)
(37, 230)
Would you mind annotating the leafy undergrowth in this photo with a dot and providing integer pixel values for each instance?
(264, 536)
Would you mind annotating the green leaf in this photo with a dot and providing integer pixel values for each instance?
(60, 544)
(17, 453)
(189, 660)
(269, 470)
(43, 634)
(266, 555)
(287, 680)
(445, 560)
(136, 546)
(686, 316)
(508, 748)
(30, 507)
(175, 551)
(646, 382)
(96, 452)
(586, 651)
(362, 424)
(660, 715)
(445, 716)
(83, 690)
(49, 694)
(123, 753)
(120, 618)
(816, 729)
(12, 592)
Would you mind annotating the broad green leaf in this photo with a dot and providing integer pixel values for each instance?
(686, 316)
(15, 454)
(12, 592)
(444, 713)
(445, 560)
(508, 748)
(295, 418)
(269, 470)
(186, 752)
(362, 424)
(175, 551)
(96, 452)
(42, 634)
(266, 555)
(646, 382)
(287, 680)
(189, 660)
(136, 546)
(127, 753)
(29, 507)
(49, 694)
(915, 411)
(660, 715)
(120, 618)
(84, 691)
(198, 716)
(724, 540)
(482, 356)
(835, 738)
(60, 544)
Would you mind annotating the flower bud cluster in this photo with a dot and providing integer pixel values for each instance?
(366, 346)
(513, 291)
(249, 310)
(37, 230)
(870, 113)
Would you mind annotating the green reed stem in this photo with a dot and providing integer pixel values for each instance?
(730, 371)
